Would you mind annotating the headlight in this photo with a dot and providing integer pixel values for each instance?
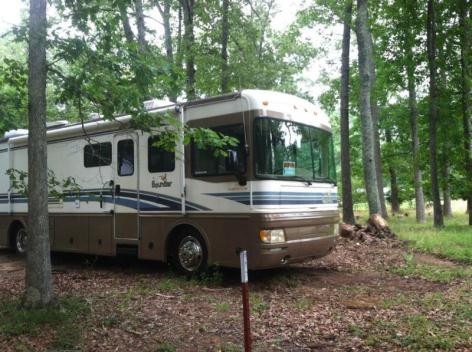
(272, 236)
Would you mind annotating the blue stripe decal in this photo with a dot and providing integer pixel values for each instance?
(127, 198)
(279, 198)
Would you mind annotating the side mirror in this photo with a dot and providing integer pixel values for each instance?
(232, 160)
(232, 164)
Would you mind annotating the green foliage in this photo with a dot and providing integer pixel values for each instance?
(58, 189)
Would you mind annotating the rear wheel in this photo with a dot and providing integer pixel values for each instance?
(20, 240)
(190, 254)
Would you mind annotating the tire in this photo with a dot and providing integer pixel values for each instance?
(189, 252)
(20, 240)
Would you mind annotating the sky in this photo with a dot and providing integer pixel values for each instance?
(12, 10)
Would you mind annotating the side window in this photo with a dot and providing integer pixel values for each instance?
(159, 160)
(98, 154)
(126, 157)
(205, 163)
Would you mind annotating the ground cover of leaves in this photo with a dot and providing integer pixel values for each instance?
(361, 297)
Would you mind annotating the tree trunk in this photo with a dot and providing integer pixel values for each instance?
(376, 127)
(348, 212)
(165, 14)
(466, 43)
(433, 114)
(368, 145)
(125, 21)
(189, 39)
(141, 26)
(224, 48)
(394, 199)
(378, 154)
(179, 58)
(39, 290)
(447, 209)
(412, 105)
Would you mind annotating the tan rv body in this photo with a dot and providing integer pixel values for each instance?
(153, 206)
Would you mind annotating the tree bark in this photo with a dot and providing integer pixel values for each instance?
(348, 211)
(466, 96)
(129, 35)
(179, 58)
(189, 39)
(365, 70)
(377, 151)
(140, 25)
(447, 209)
(413, 109)
(39, 290)
(433, 114)
(165, 14)
(224, 47)
(394, 198)
(376, 127)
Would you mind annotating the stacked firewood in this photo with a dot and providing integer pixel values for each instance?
(376, 228)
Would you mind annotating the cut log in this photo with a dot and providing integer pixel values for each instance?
(346, 230)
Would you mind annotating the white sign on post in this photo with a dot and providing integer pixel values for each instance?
(243, 260)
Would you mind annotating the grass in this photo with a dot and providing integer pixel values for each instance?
(454, 241)
(431, 272)
(433, 321)
(17, 320)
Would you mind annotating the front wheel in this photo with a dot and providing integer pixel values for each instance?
(21, 237)
(190, 254)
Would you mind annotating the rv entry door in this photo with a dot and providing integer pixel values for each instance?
(126, 185)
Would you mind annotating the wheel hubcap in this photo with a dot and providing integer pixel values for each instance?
(21, 238)
(190, 253)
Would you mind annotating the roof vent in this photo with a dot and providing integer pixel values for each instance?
(156, 103)
(56, 124)
(94, 116)
(15, 133)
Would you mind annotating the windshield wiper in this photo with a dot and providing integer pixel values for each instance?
(300, 178)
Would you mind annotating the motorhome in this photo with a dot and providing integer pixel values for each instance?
(274, 194)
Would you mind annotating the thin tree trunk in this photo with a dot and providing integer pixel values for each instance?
(140, 25)
(413, 108)
(466, 44)
(394, 198)
(224, 47)
(377, 151)
(447, 209)
(368, 145)
(178, 61)
(165, 14)
(376, 127)
(348, 211)
(433, 114)
(125, 22)
(39, 290)
(189, 39)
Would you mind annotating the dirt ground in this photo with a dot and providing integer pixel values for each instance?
(348, 301)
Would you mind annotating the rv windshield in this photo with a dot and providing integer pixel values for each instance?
(288, 150)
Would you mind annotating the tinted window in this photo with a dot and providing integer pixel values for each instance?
(205, 163)
(159, 160)
(98, 154)
(126, 157)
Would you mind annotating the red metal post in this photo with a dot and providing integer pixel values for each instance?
(246, 310)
